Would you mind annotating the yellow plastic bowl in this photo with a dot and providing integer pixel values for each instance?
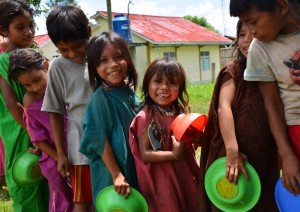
(26, 171)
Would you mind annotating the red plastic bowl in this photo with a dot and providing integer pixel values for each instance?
(184, 122)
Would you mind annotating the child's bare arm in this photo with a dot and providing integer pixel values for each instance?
(234, 159)
(57, 125)
(48, 149)
(12, 103)
(275, 112)
(154, 156)
(120, 183)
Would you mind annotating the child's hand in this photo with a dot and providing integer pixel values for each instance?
(121, 185)
(235, 161)
(198, 138)
(36, 150)
(63, 165)
(178, 148)
(291, 173)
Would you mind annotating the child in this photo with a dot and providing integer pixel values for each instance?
(238, 128)
(3, 43)
(168, 177)
(30, 68)
(109, 114)
(68, 91)
(17, 25)
(272, 57)
(3, 46)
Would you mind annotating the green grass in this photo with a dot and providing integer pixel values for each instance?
(5, 201)
(200, 96)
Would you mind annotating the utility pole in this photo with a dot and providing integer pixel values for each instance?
(109, 16)
(223, 13)
(128, 23)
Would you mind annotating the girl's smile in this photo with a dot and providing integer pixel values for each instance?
(163, 91)
(112, 67)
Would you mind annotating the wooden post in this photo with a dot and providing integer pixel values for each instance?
(109, 15)
(213, 72)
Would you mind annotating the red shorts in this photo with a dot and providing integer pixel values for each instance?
(81, 183)
(294, 133)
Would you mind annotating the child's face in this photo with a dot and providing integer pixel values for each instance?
(262, 24)
(244, 40)
(34, 81)
(112, 67)
(73, 50)
(163, 91)
(20, 31)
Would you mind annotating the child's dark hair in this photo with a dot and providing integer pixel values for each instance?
(10, 9)
(95, 50)
(67, 23)
(237, 7)
(166, 66)
(237, 54)
(24, 60)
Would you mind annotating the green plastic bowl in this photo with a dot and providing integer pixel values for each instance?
(228, 196)
(108, 200)
(26, 171)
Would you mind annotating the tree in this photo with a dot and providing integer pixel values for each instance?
(202, 22)
(44, 9)
(53, 3)
(36, 4)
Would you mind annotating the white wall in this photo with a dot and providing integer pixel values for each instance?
(49, 50)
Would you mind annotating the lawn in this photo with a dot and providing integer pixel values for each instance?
(200, 96)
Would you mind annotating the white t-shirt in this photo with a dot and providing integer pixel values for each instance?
(271, 61)
(68, 90)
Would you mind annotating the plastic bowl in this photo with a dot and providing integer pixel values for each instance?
(227, 196)
(108, 200)
(184, 122)
(26, 171)
(286, 201)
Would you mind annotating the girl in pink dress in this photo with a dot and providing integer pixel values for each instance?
(30, 68)
(167, 173)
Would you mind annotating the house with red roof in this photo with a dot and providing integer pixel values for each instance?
(195, 47)
(46, 46)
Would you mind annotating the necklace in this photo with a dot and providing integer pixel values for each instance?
(167, 112)
(107, 85)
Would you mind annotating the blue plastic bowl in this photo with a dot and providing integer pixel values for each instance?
(286, 201)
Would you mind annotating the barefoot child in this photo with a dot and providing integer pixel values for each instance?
(168, 177)
(30, 68)
(17, 25)
(109, 113)
(272, 61)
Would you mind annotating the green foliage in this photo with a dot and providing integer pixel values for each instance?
(36, 5)
(202, 22)
(45, 8)
(53, 3)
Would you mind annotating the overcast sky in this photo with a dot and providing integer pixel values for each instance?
(210, 9)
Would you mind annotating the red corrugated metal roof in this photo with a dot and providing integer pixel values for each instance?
(41, 39)
(170, 29)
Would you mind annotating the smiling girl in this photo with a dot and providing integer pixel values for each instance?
(168, 176)
(110, 111)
